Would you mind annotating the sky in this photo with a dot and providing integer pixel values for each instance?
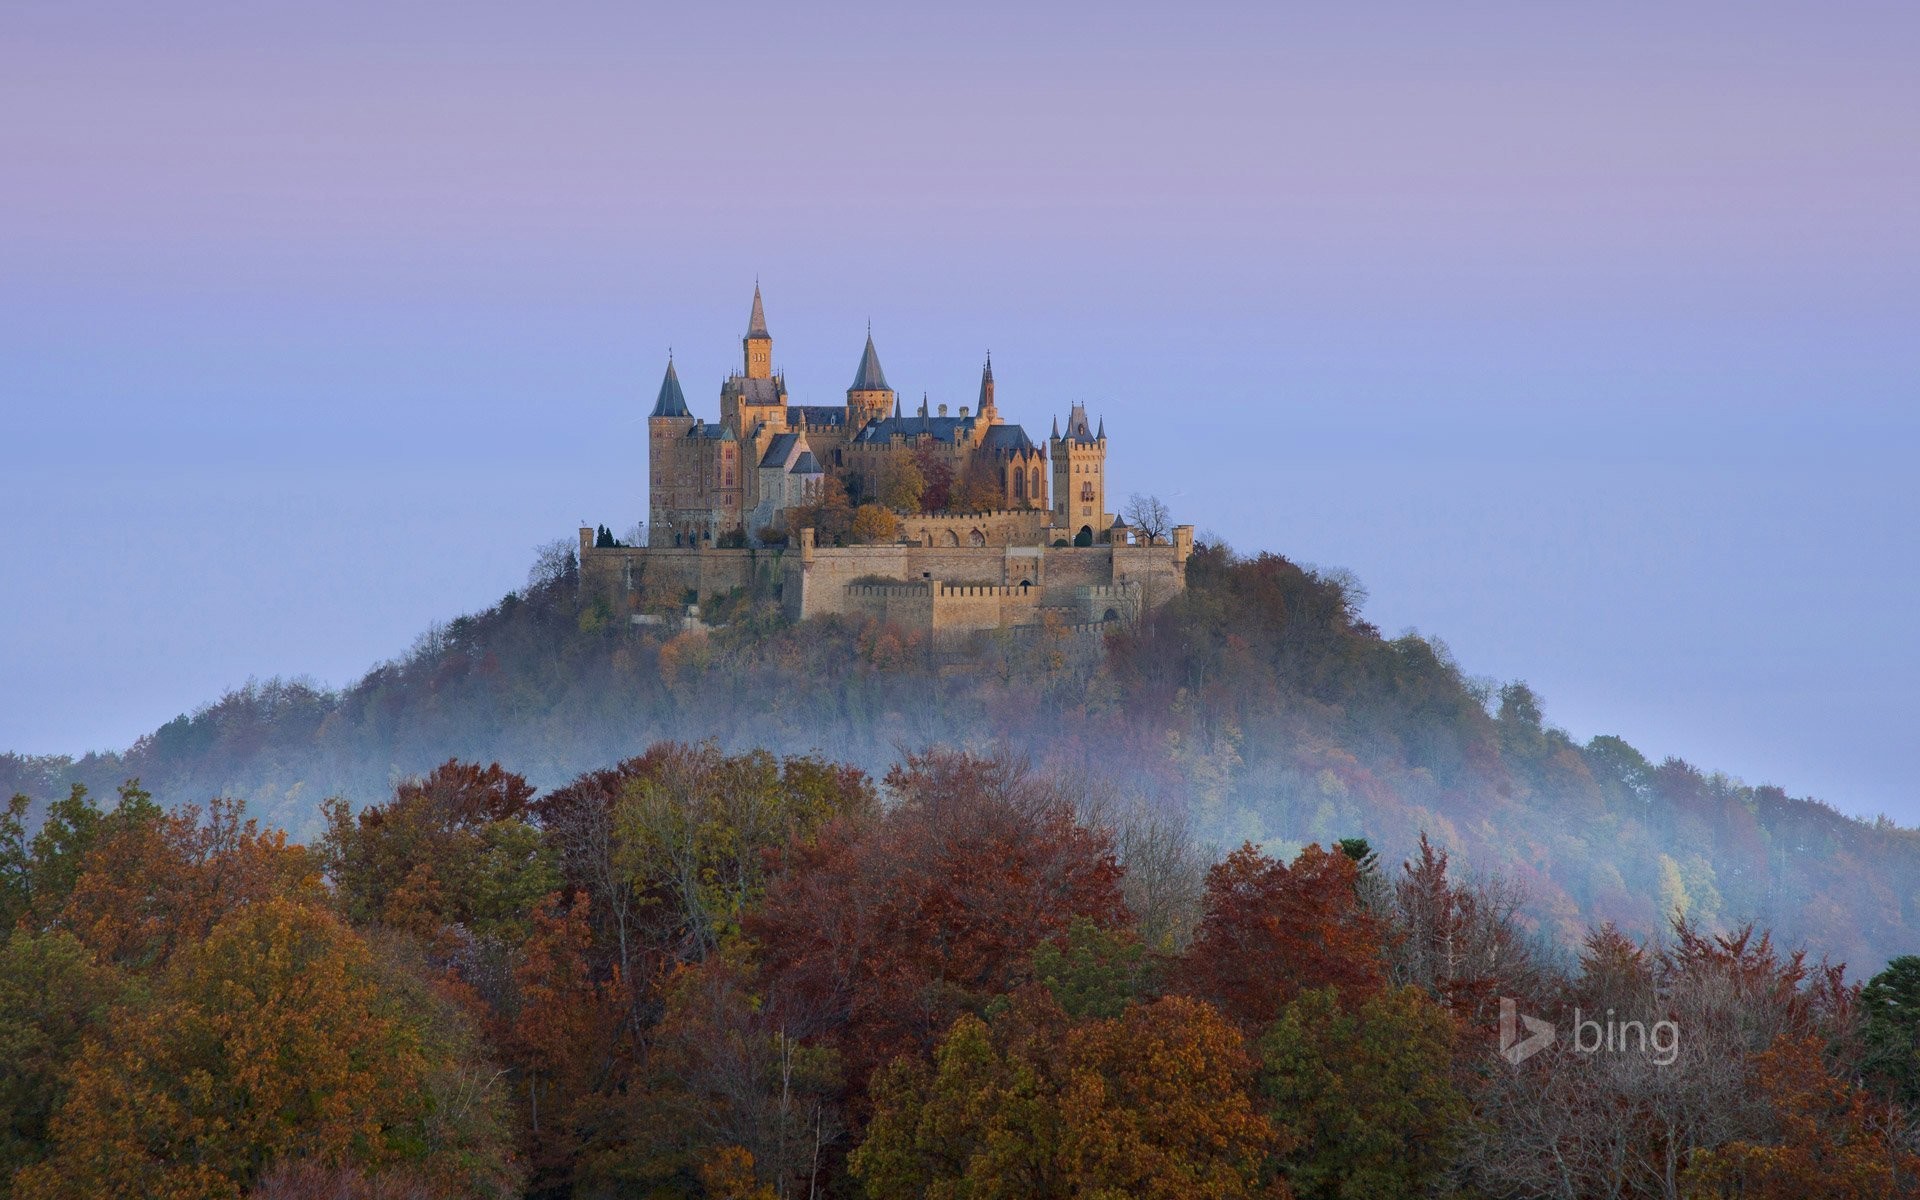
(1584, 335)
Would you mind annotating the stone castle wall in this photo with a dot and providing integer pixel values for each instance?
(1007, 527)
(937, 588)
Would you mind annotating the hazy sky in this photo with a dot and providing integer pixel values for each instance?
(1585, 335)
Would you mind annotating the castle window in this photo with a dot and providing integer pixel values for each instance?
(1086, 490)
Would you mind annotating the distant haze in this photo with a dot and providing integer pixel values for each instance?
(1585, 337)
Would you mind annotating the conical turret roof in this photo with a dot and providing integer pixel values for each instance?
(869, 377)
(757, 321)
(672, 402)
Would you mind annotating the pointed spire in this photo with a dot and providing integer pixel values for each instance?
(1102, 435)
(1056, 427)
(868, 377)
(672, 402)
(986, 385)
(757, 322)
(896, 408)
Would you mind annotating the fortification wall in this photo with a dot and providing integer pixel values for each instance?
(957, 609)
(664, 575)
(816, 579)
(907, 605)
(936, 587)
(1007, 527)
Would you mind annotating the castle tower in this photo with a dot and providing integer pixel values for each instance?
(989, 413)
(758, 344)
(870, 398)
(1080, 478)
(667, 452)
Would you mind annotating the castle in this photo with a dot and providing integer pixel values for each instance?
(723, 500)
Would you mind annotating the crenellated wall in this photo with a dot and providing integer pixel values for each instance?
(939, 588)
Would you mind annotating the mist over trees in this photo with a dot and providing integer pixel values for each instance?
(1258, 707)
(709, 975)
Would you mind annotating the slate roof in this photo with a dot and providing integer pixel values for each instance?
(1011, 438)
(779, 450)
(757, 321)
(941, 429)
(806, 465)
(760, 392)
(1078, 429)
(819, 414)
(868, 377)
(672, 401)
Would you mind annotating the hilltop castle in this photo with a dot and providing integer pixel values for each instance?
(733, 481)
(993, 553)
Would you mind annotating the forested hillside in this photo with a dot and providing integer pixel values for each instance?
(1258, 707)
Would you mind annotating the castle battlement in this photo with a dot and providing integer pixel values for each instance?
(938, 589)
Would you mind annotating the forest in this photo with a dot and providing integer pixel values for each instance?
(704, 974)
(1259, 706)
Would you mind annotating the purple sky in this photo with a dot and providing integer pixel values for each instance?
(1585, 336)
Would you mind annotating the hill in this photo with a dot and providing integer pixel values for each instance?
(1258, 707)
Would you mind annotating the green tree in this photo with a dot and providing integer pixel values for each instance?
(1095, 972)
(16, 862)
(52, 992)
(1891, 1038)
(901, 486)
(1365, 1094)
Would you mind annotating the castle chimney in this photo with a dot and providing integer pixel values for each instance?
(943, 410)
(963, 410)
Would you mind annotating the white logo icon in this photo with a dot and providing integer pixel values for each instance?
(1539, 1033)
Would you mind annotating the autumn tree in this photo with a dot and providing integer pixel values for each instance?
(873, 524)
(1826, 1140)
(272, 1040)
(452, 849)
(150, 887)
(881, 932)
(1461, 943)
(936, 474)
(1153, 1102)
(729, 1093)
(978, 488)
(1272, 930)
(691, 827)
(901, 485)
(564, 1037)
(829, 513)
(43, 871)
(1365, 1095)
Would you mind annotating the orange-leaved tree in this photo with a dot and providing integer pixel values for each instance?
(1272, 930)
(1830, 1138)
(1152, 1103)
(271, 1041)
